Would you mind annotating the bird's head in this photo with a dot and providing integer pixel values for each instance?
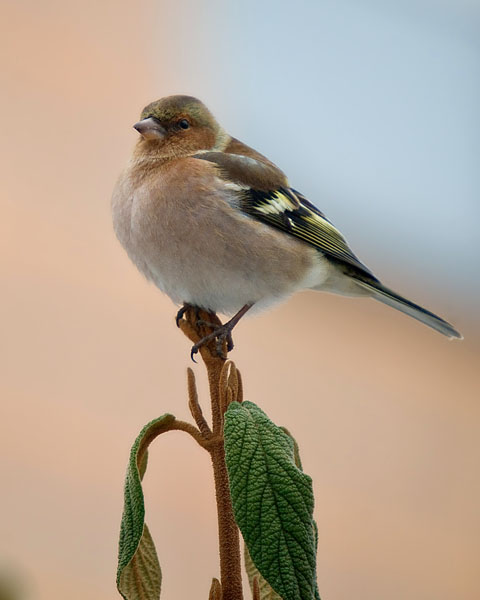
(179, 126)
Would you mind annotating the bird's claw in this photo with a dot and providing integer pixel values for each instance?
(180, 314)
(184, 309)
(193, 351)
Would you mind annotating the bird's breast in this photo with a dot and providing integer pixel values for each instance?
(182, 232)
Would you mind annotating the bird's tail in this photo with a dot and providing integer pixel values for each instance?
(391, 298)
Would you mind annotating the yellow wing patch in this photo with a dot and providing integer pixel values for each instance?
(290, 211)
(278, 202)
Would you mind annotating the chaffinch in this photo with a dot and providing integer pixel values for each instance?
(216, 225)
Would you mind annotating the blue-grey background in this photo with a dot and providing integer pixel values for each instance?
(372, 109)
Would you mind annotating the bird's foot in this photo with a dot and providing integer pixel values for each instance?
(201, 321)
(222, 335)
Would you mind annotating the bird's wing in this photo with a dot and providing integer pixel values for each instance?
(264, 194)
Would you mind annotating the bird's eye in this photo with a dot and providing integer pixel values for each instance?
(183, 124)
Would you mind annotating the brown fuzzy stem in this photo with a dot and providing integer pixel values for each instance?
(229, 540)
(225, 387)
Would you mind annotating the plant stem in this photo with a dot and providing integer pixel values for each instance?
(229, 542)
(228, 534)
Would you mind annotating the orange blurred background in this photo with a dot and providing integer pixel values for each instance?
(386, 411)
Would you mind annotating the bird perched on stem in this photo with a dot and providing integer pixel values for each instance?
(215, 225)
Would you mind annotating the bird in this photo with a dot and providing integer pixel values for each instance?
(216, 226)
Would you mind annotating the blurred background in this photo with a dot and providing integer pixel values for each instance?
(372, 109)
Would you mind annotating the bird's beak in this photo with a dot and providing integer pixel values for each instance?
(150, 129)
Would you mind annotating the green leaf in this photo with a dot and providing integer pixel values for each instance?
(272, 501)
(296, 449)
(142, 577)
(138, 575)
(266, 592)
(298, 462)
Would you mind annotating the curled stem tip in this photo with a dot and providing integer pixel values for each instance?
(215, 590)
(230, 386)
(194, 406)
(240, 387)
(256, 589)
